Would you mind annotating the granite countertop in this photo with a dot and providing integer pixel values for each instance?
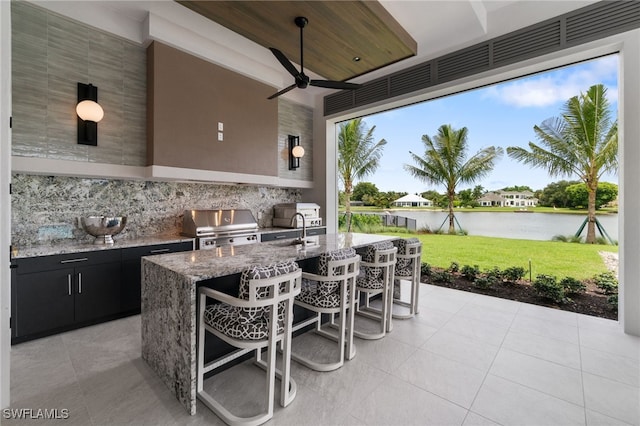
(205, 264)
(84, 246)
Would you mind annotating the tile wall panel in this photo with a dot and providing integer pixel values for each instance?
(29, 52)
(295, 119)
(51, 54)
(45, 208)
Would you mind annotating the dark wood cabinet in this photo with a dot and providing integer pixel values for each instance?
(44, 301)
(51, 294)
(55, 293)
(130, 286)
(97, 291)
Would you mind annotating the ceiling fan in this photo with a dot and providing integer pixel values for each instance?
(301, 79)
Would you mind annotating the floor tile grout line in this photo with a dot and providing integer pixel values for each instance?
(584, 393)
(543, 359)
(77, 380)
(484, 379)
(480, 415)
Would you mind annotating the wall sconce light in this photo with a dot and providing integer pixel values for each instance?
(89, 114)
(295, 152)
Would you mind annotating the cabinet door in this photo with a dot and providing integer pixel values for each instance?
(44, 301)
(131, 271)
(97, 291)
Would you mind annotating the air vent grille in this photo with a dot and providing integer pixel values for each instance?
(527, 43)
(372, 91)
(465, 62)
(338, 101)
(415, 78)
(609, 17)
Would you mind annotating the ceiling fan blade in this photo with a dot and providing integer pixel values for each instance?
(284, 61)
(283, 91)
(330, 84)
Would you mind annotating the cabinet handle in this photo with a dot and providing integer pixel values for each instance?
(79, 283)
(81, 259)
(69, 282)
(280, 236)
(164, 250)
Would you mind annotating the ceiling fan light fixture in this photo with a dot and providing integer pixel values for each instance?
(301, 80)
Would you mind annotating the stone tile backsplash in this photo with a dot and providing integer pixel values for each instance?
(45, 208)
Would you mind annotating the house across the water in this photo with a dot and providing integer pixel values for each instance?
(508, 199)
(412, 200)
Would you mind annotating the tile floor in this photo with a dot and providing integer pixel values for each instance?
(464, 360)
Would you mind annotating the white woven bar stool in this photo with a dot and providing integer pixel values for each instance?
(260, 317)
(376, 277)
(407, 268)
(330, 291)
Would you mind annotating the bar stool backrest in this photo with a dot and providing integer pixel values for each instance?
(409, 250)
(254, 290)
(378, 253)
(330, 264)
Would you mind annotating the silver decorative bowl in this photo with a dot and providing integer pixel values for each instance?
(103, 227)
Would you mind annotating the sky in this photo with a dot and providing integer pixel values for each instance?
(500, 115)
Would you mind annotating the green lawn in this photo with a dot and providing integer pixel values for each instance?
(547, 257)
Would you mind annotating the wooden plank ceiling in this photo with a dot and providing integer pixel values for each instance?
(337, 32)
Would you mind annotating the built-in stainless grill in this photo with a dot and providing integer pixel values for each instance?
(216, 228)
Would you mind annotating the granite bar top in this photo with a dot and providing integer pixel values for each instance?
(76, 247)
(227, 260)
(169, 306)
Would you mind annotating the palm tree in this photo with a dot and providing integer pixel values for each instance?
(358, 156)
(444, 162)
(582, 142)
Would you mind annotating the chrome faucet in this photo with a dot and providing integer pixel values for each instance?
(304, 226)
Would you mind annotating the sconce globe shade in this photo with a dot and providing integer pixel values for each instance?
(297, 151)
(90, 111)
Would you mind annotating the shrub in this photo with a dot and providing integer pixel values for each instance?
(567, 239)
(495, 273)
(613, 301)
(425, 269)
(513, 273)
(605, 242)
(454, 267)
(442, 277)
(607, 282)
(425, 230)
(484, 282)
(547, 286)
(572, 285)
(470, 272)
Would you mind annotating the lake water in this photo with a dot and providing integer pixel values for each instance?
(528, 226)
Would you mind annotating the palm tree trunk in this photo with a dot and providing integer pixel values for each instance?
(348, 187)
(452, 228)
(591, 213)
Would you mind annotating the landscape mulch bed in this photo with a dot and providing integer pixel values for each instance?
(592, 302)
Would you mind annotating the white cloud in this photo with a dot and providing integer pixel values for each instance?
(557, 87)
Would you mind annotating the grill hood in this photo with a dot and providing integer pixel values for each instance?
(199, 223)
